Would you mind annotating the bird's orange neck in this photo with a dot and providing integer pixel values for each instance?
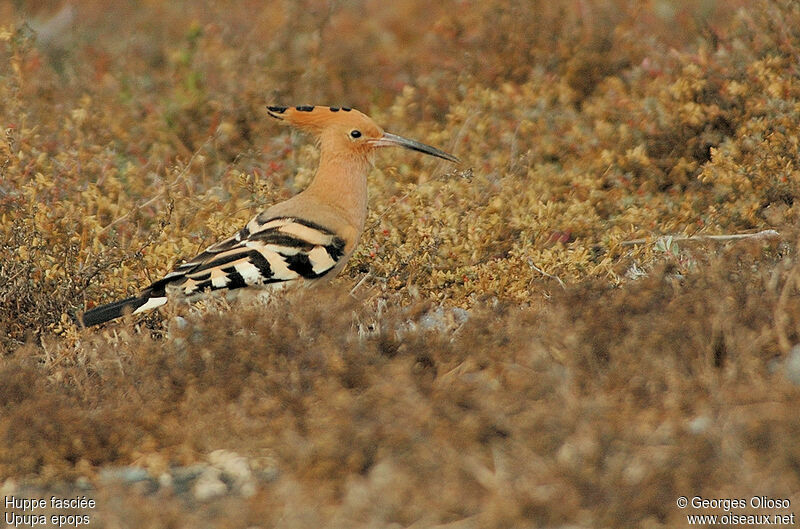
(341, 179)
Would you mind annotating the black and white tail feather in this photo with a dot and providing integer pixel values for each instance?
(266, 251)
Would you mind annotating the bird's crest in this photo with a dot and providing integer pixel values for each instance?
(315, 119)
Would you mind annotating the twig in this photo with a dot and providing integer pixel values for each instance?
(456, 140)
(358, 285)
(763, 234)
(545, 274)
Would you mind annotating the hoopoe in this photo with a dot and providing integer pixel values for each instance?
(304, 239)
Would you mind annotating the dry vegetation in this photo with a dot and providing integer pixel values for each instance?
(593, 382)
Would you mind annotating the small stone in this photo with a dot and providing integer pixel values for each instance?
(184, 477)
(209, 485)
(124, 474)
(165, 480)
(235, 469)
(699, 424)
(9, 487)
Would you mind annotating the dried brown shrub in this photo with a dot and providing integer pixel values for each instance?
(131, 142)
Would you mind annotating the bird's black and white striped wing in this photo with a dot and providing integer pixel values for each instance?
(277, 250)
(264, 252)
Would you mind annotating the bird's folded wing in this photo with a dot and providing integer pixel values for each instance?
(265, 251)
(268, 250)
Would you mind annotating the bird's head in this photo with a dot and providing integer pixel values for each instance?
(346, 130)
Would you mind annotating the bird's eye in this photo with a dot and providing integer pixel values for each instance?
(355, 133)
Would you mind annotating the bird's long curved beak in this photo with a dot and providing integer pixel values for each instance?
(389, 140)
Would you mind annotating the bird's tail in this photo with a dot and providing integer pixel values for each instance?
(104, 313)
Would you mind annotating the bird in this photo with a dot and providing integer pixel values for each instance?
(305, 239)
